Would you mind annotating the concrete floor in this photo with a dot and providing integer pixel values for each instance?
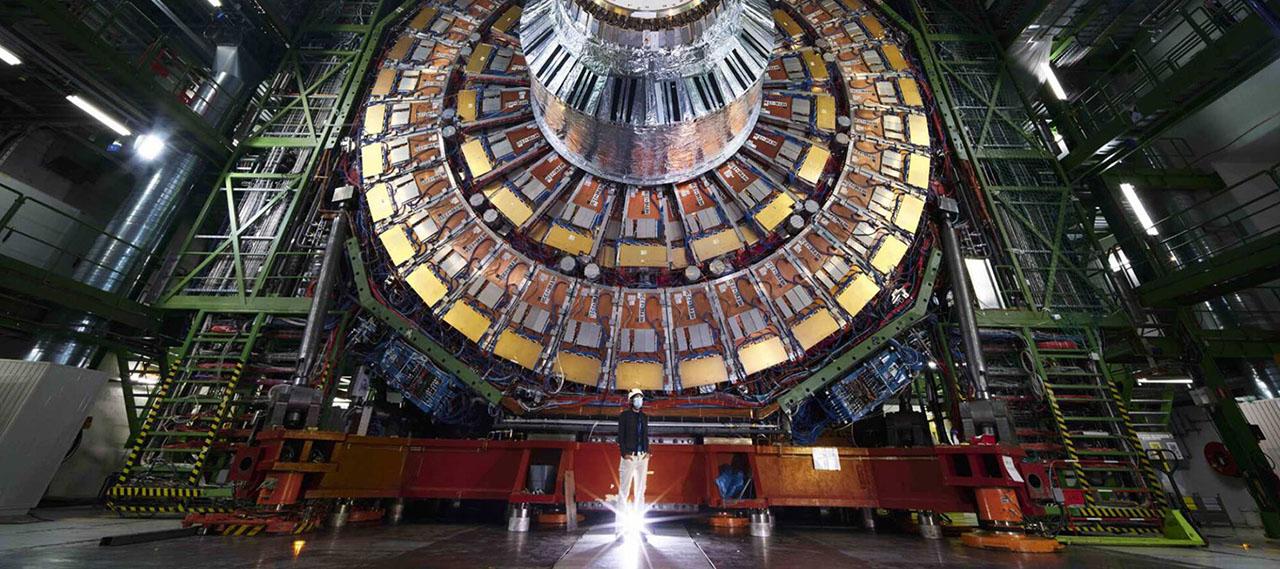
(68, 538)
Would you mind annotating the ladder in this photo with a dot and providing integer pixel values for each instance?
(1113, 488)
(164, 471)
(1151, 407)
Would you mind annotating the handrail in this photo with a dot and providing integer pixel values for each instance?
(1200, 28)
(1219, 221)
(10, 225)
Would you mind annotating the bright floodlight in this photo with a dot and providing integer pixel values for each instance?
(9, 57)
(97, 113)
(631, 522)
(216, 3)
(149, 146)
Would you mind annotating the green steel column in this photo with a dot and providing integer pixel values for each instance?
(126, 387)
(1260, 478)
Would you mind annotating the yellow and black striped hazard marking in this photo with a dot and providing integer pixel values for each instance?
(1149, 475)
(1105, 512)
(144, 431)
(1064, 434)
(155, 492)
(1115, 530)
(306, 526)
(228, 390)
(174, 509)
(242, 529)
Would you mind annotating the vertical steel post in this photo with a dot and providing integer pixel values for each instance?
(320, 300)
(977, 365)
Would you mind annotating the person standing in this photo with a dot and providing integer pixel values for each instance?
(633, 443)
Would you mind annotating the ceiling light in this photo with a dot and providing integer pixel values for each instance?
(97, 113)
(1165, 380)
(216, 3)
(1052, 78)
(9, 57)
(149, 146)
(1131, 196)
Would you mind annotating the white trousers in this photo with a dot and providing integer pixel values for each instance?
(635, 470)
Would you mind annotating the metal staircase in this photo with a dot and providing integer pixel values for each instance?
(189, 412)
(1070, 414)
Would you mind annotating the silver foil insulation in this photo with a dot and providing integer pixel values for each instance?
(646, 104)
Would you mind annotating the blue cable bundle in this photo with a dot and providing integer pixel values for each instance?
(865, 388)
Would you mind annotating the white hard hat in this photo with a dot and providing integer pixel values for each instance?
(634, 393)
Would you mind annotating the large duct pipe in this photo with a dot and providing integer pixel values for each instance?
(135, 232)
(320, 300)
(964, 304)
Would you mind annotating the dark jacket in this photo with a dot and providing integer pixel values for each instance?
(633, 432)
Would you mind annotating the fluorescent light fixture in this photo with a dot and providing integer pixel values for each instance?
(9, 57)
(1118, 261)
(149, 146)
(1165, 381)
(97, 113)
(1139, 210)
(982, 277)
(1052, 78)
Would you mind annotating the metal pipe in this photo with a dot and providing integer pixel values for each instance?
(964, 306)
(612, 425)
(134, 233)
(320, 300)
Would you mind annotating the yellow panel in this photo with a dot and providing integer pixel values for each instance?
(375, 116)
(578, 369)
(512, 207)
(874, 28)
(857, 294)
(817, 67)
(854, 5)
(401, 48)
(775, 212)
(642, 256)
(638, 375)
(467, 320)
(816, 328)
(762, 355)
(467, 104)
(380, 204)
(908, 215)
(918, 129)
(428, 286)
(826, 107)
(420, 21)
(894, 55)
(788, 24)
(702, 371)
(511, 16)
(910, 92)
(397, 244)
(519, 349)
(716, 244)
(479, 58)
(382, 85)
(814, 163)
(918, 170)
(477, 160)
(372, 162)
(568, 241)
(890, 252)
